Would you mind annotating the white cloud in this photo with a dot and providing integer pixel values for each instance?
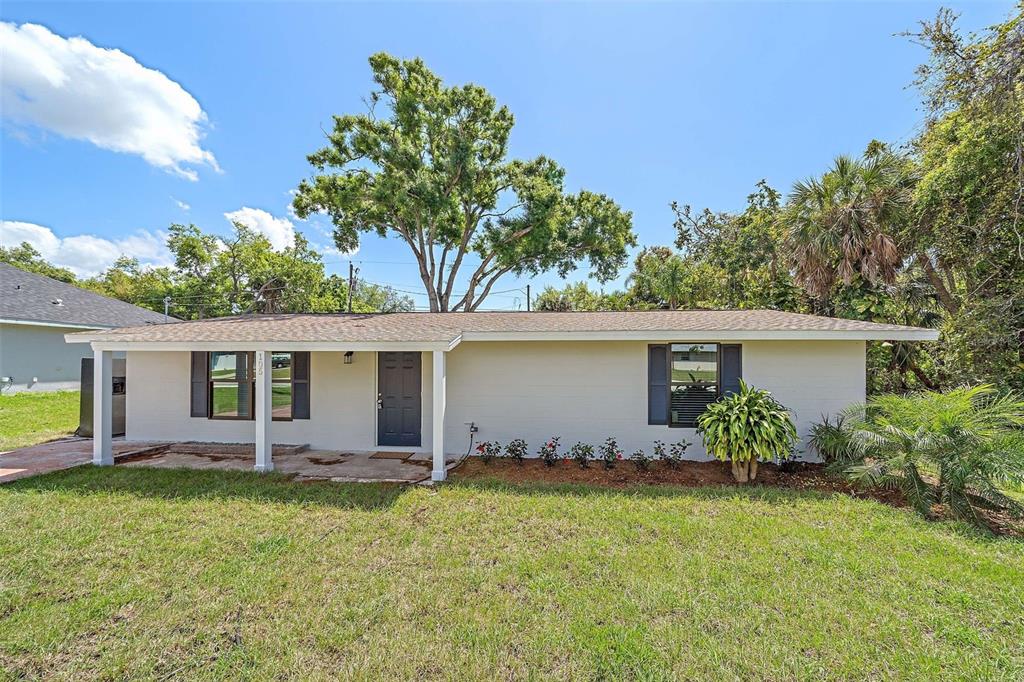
(280, 231)
(181, 204)
(85, 92)
(86, 255)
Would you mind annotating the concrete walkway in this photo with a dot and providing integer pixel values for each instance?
(56, 455)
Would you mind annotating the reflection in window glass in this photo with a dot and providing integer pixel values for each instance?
(231, 399)
(281, 401)
(281, 366)
(229, 366)
(694, 363)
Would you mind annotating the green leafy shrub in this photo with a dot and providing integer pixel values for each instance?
(960, 448)
(549, 452)
(747, 426)
(488, 450)
(641, 460)
(517, 450)
(831, 439)
(676, 454)
(582, 453)
(610, 452)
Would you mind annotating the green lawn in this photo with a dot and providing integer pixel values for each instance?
(30, 418)
(134, 573)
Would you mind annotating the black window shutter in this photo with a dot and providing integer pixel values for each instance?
(657, 384)
(732, 367)
(300, 385)
(200, 384)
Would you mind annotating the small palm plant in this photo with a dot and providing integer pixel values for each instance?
(747, 426)
(959, 448)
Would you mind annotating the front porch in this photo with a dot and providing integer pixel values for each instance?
(304, 465)
(349, 407)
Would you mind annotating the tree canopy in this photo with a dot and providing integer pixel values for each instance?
(428, 164)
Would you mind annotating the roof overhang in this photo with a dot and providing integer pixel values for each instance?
(101, 341)
(101, 344)
(710, 335)
(48, 323)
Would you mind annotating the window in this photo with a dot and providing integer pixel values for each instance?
(684, 378)
(231, 385)
(229, 380)
(281, 385)
(693, 375)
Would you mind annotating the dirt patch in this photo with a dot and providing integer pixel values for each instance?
(800, 476)
(326, 461)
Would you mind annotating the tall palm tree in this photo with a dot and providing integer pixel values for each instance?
(847, 222)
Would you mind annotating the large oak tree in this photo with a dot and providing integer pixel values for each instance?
(428, 163)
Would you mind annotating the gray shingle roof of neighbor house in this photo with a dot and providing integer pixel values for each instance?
(28, 297)
(683, 325)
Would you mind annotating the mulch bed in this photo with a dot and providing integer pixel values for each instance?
(797, 476)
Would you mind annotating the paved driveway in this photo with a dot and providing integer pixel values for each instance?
(56, 455)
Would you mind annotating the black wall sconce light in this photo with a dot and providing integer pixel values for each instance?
(348, 357)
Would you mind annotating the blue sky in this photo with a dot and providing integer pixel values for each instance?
(647, 103)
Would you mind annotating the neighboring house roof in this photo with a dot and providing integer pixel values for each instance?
(449, 329)
(26, 297)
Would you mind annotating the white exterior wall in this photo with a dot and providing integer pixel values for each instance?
(585, 391)
(343, 404)
(588, 391)
(38, 358)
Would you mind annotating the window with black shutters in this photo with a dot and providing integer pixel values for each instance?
(224, 385)
(693, 381)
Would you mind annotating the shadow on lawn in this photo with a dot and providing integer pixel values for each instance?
(192, 484)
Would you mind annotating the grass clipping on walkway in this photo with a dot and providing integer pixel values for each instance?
(125, 573)
(32, 418)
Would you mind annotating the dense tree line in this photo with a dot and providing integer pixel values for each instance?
(213, 276)
(930, 233)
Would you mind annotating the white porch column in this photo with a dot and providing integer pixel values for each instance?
(102, 407)
(439, 473)
(264, 412)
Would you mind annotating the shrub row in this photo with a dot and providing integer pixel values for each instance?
(608, 453)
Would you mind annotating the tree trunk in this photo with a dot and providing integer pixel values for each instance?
(944, 294)
(753, 468)
(739, 471)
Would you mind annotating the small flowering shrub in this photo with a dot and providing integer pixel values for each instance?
(641, 460)
(516, 450)
(488, 450)
(676, 453)
(549, 452)
(659, 451)
(610, 453)
(582, 453)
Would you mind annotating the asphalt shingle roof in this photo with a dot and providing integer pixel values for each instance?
(437, 327)
(29, 297)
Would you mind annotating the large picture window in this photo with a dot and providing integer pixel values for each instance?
(231, 380)
(693, 381)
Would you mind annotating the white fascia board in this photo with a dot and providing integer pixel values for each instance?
(356, 346)
(63, 325)
(710, 335)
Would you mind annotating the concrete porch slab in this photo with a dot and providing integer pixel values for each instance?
(57, 455)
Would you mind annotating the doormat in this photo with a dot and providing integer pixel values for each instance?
(391, 455)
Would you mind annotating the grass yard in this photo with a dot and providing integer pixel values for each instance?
(31, 418)
(118, 573)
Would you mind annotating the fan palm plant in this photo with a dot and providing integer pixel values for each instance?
(959, 448)
(845, 223)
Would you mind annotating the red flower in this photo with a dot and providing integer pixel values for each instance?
(618, 455)
(480, 448)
